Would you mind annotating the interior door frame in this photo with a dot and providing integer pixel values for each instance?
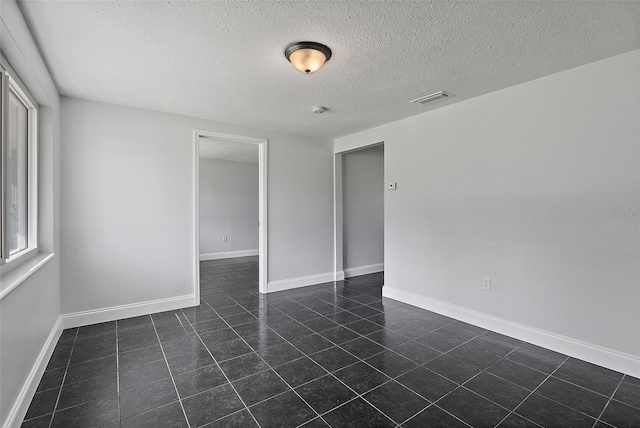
(338, 206)
(262, 204)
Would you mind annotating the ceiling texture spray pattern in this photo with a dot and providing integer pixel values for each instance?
(224, 60)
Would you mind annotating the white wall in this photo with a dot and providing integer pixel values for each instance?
(228, 206)
(128, 204)
(30, 313)
(363, 207)
(516, 185)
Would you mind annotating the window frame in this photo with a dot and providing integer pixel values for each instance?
(11, 83)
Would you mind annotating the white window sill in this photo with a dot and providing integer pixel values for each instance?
(12, 279)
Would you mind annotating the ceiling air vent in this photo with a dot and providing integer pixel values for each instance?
(430, 98)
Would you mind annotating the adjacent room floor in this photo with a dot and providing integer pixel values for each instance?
(328, 355)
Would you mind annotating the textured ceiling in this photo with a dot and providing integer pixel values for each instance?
(224, 60)
(228, 150)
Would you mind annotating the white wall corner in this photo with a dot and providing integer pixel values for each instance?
(302, 281)
(595, 354)
(21, 405)
(228, 254)
(363, 270)
(339, 276)
(94, 316)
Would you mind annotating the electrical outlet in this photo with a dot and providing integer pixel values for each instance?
(486, 283)
(224, 238)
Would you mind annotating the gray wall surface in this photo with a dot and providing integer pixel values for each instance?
(29, 314)
(524, 185)
(363, 207)
(128, 176)
(228, 206)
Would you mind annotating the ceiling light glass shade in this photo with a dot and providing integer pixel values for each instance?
(307, 57)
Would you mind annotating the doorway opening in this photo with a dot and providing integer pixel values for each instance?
(237, 233)
(359, 188)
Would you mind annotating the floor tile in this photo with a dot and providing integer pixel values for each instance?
(387, 338)
(515, 421)
(473, 355)
(551, 414)
(363, 327)
(452, 368)
(199, 380)
(282, 411)
(241, 419)
(130, 359)
(590, 376)
(263, 340)
(325, 393)
(518, 374)
(300, 371)
(187, 362)
(434, 417)
(438, 341)
(498, 390)
(199, 408)
(361, 377)
(39, 422)
(94, 413)
(416, 352)
(104, 367)
(312, 344)
(628, 393)
(573, 396)
(390, 363)
(259, 387)
(279, 354)
(339, 335)
(143, 374)
(621, 415)
(169, 416)
(246, 365)
(87, 390)
(228, 350)
(51, 379)
(543, 360)
(493, 345)
(43, 403)
(138, 400)
(396, 401)
(427, 383)
(472, 408)
(362, 347)
(357, 413)
(333, 359)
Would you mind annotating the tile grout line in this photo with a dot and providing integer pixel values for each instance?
(609, 401)
(118, 373)
(170, 373)
(219, 368)
(533, 392)
(318, 415)
(64, 377)
(330, 373)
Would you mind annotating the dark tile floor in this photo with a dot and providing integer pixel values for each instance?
(330, 355)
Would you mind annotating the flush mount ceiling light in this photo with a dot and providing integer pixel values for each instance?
(307, 57)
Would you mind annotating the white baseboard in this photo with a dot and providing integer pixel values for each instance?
(595, 354)
(339, 276)
(228, 255)
(303, 281)
(363, 270)
(94, 316)
(21, 405)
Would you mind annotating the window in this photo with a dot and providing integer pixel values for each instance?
(18, 159)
